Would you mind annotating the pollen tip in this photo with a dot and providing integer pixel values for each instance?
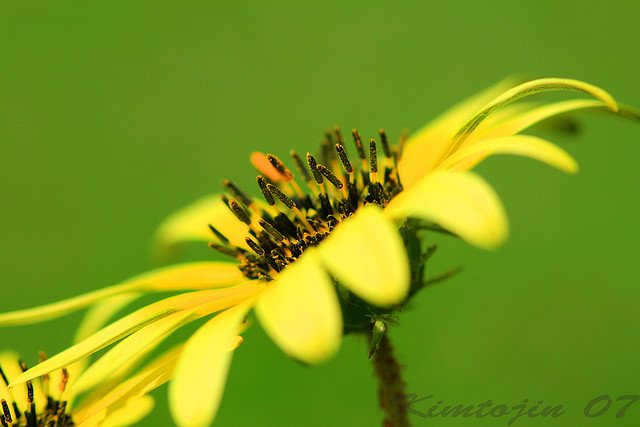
(239, 211)
(330, 176)
(286, 200)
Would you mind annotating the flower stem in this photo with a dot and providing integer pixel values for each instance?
(391, 393)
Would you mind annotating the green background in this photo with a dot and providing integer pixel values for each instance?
(114, 114)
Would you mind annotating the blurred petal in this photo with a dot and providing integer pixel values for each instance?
(130, 350)
(202, 303)
(520, 145)
(196, 389)
(196, 275)
(189, 276)
(191, 223)
(521, 91)
(425, 146)
(526, 119)
(152, 376)
(367, 255)
(461, 202)
(300, 311)
(130, 413)
(11, 368)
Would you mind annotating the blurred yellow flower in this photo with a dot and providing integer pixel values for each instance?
(319, 248)
(119, 400)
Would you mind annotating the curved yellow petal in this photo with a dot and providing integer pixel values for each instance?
(300, 311)
(191, 223)
(202, 303)
(461, 202)
(521, 91)
(153, 375)
(456, 116)
(525, 119)
(424, 147)
(129, 350)
(367, 255)
(520, 145)
(101, 312)
(200, 375)
(130, 413)
(196, 275)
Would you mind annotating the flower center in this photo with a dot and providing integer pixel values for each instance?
(297, 216)
(26, 414)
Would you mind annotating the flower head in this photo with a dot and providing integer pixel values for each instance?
(330, 249)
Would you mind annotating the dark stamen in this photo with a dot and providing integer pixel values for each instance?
(344, 158)
(338, 135)
(325, 205)
(29, 392)
(254, 246)
(262, 183)
(31, 416)
(281, 196)
(223, 249)
(218, 234)
(326, 151)
(236, 192)
(358, 141)
(271, 230)
(285, 226)
(385, 143)
(330, 177)
(300, 166)
(313, 165)
(4, 377)
(373, 156)
(239, 212)
(64, 379)
(280, 167)
(6, 412)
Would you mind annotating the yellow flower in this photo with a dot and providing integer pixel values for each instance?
(316, 262)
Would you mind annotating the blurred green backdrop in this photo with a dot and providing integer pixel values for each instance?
(114, 114)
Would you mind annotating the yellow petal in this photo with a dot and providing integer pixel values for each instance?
(425, 146)
(525, 119)
(462, 203)
(196, 275)
(100, 313)
(130, 350)
(300, 311)
(520, 145)
(130, 413)
(521, 91)
(203, 302)
(367, 255)
(156, 373)
(11, 369)
(192, 224)
(452, 119)
(196, 389)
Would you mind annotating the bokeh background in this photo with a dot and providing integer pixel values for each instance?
(115, 114)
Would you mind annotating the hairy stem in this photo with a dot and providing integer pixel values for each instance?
(391, 393)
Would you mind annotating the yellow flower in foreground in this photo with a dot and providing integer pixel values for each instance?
(323, 253)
